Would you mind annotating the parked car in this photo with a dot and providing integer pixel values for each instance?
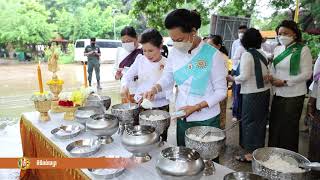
(108, 49)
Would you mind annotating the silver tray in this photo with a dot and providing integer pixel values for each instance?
(84, 148)
(67, 131)
(106, 173)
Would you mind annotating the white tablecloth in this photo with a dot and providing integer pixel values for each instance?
(145, 171)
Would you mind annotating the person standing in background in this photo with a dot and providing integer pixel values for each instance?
(93, 53)
(236, 52)
(126, 56)
(291, 68)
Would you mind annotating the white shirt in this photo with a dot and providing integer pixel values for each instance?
(148, 74)
(239, 50)
(269, 48)
(296, 84)
(216, 90)
(247, 77)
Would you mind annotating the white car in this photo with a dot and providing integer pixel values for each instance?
(108, 49)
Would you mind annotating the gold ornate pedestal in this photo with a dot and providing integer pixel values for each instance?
(69, 112)
(55, 88)
(43, 107)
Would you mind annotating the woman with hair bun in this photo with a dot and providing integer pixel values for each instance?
(199, 71)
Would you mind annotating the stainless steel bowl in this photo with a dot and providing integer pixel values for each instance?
(126, 112)
(243, 176)
(263, 154)
(180, 163)
(106, 173)
(140, 140)
(82, 114)
(208, 149)
(67, 131)
(84, 148)
(161, 125)
(96, 100)
(104, 126)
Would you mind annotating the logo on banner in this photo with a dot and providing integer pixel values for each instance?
(23, 163)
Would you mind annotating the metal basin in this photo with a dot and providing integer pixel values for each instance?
(160, 124)
(263, 154)
(140, 140)
(84, 148)
(180, 163)
(243, 176)
(82, 114)
(209, 147)
(128, 114)
(104, 126)
(96, 100)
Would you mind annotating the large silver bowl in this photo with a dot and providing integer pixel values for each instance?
(104, 126)
(96, 100)
(180, 163)
(161, 125)
(84, 148)
(140, 140)
(207, 148)
(263, 154)
(243, 176)
(128, 114)
(82, 114)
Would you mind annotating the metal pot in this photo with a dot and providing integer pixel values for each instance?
(127, 113)
(83, 114)
(104, 126)
(243, 176)
(96, 100)
(263, 154)
(161, 125)
(140, 140)
(180, 163)
(207, 149)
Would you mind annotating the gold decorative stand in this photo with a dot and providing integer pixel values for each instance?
(43, 107)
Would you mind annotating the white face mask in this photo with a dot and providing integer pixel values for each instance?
(128, 46)
(240, 35)
(285, 40)
(184, 47)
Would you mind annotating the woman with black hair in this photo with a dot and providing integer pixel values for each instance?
(126, 56)
(291, 68)
(255, 90)
(197, 69)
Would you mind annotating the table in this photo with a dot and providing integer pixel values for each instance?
(37, 141)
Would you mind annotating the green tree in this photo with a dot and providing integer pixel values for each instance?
(243, 8)
(24, 24)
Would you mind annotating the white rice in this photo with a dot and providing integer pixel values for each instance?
(154, 117)
(207, 138)
(275, 162)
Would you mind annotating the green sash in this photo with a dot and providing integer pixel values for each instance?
(295, 50)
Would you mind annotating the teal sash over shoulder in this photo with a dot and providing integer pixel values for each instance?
(198, 69)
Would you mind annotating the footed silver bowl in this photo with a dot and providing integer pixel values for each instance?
(160, 124)
(140, 140)
(209, 147)
(128, 114)
(82, 114)
(263, 154)
(98, 101)
(103, 126)
(180, 163)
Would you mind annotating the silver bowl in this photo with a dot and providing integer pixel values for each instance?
(103, 126)
(96, 100)
(67, 131)
(82, 114)
(263, 154)
(207, 148)
(161, 125)
(243, 176)
(140, 140)
(127, 113)
(84, 148)
(180, 163)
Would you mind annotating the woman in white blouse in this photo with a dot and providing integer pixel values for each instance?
(291, 68)
(147, 69)
(255, 90)
(199, 71)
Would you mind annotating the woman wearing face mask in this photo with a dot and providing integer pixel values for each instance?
(148, 67)
(197, 69)
(216, 41)
(126, 56)
(291, 68)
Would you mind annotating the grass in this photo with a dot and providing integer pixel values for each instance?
(66, 59)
